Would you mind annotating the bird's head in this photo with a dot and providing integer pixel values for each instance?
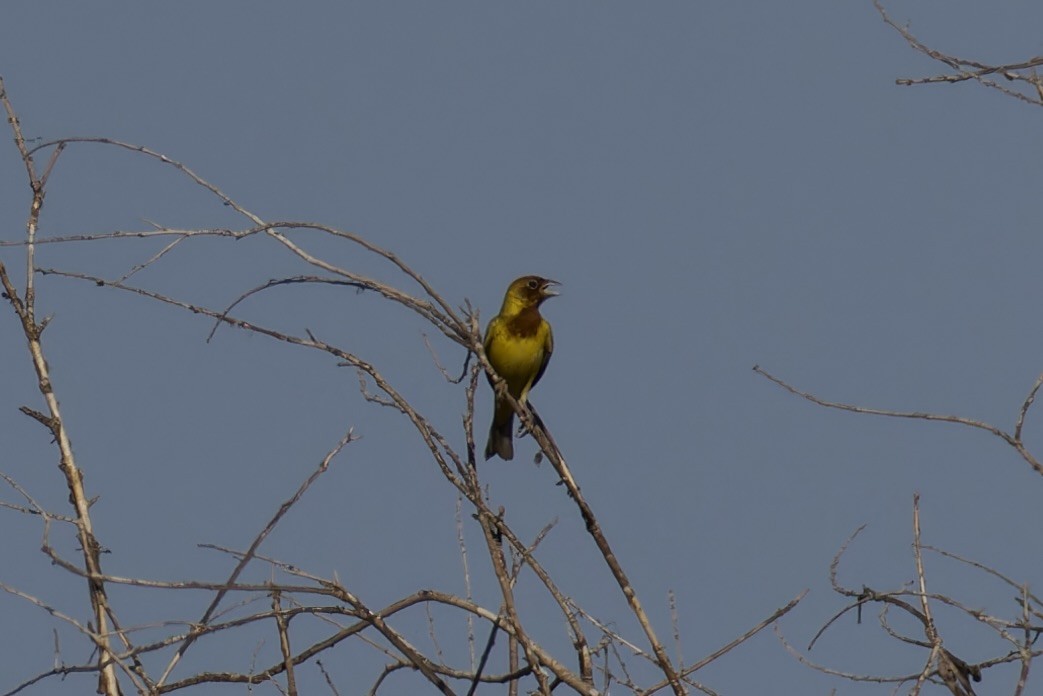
(529, 291)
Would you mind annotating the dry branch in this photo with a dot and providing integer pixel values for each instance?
(1021, 72)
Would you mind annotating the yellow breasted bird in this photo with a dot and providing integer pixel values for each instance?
(518, 343)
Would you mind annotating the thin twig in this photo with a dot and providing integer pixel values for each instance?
(915, 415)
(967, 69)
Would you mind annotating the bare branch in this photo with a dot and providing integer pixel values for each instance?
(965, 69)
(913, 415)
(248, 556)
(775, 616)
(25, 309)
(282, 624)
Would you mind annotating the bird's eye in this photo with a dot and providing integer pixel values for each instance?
(533, 284)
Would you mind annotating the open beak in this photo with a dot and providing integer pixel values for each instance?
(546, 290)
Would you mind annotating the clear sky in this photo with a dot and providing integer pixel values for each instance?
(716, 184)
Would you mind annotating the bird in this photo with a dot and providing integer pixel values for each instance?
(518, 344)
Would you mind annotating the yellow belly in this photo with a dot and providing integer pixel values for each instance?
(517, 360)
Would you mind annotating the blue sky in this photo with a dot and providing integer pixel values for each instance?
(717, 185)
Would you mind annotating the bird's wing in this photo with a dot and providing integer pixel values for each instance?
(548, 348)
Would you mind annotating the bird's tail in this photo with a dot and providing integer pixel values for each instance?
(500, 434)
